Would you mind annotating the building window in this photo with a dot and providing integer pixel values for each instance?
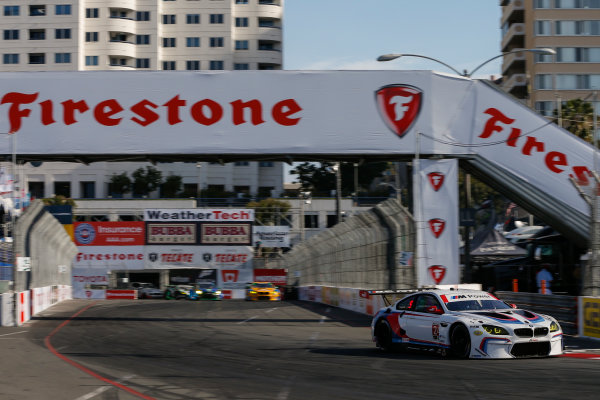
(11, 58)
(91, 36)
(63, 9)
(241, 163)
(37, 10)
(241, 45)
(169, 42)
(117, 62)
(241, 22)
(192, 65)
(192, 42)
(216, 18)
(91, 60)
(217, 65)
(142, 16)
(241, 1)
(311, 221)
(37, 58)
(578, 54)
(11, 11)
(11, 34)
(142, 39)
(566, 28)
(36, 189)
(543, 4)
(266, 164)
(91, 12)
(577, 4)
(265, 191)
(62, 189)
(545, 108)
(241, 66)
(216, 42)
(88, 190)
(168, 65)
(37, 34)
(331, 220)
(543, 82)
(192, 18)
(142, 63)
(169, 19)
(542, 28)
(63, 33)
(542, 58)
(62, 58)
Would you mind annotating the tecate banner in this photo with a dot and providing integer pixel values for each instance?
(271, 236)
(199, 215)
(108, 233)
(218, 257)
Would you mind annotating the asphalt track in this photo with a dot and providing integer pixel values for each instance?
(160, 349)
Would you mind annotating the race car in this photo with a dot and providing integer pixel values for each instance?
(177, 291)
(205, 291)
(464, 324)
(262, 291)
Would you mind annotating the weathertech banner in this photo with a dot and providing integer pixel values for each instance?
(108, 233)
(199, 215)
(436, 216)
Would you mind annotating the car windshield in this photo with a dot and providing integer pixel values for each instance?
(205, 285)
(469, 305)
(263, 285)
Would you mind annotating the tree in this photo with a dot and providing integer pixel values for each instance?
(146, 181)
(120, 184)
(59, 200)
(171, 186)
(577, 117)
(320, 178)
(269, 211)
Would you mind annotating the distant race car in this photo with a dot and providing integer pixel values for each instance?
(177, 291)
(464, 324)
(147, 291)
(205, 291)
(262, 291)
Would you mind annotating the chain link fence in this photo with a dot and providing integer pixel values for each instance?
(371, 250)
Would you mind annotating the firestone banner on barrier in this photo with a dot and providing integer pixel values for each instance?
(437, 223)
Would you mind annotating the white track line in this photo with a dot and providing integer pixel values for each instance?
(103, 389)
(14, 333)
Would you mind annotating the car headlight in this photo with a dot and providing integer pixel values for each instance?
(495, 330)
(198, 291)
(554, 327)
(252, 292)
(218, 292)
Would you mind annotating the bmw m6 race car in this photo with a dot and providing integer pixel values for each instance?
(205, 291)
(464, 324)
(262, 291)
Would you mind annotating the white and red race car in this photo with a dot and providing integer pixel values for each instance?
(464, 324)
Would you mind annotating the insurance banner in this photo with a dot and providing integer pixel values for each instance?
(436, 218)
(108, 233)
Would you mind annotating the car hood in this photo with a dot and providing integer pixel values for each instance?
(513, 316)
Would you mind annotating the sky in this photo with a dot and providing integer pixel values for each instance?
(351, 34)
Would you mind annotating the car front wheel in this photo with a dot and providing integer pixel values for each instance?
(460, 342)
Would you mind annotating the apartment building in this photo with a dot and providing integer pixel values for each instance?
(569, 27)
(143, 35)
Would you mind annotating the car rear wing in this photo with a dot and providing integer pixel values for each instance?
(392, 295)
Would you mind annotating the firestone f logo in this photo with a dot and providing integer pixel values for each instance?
(437, 273)
(399, 106)
(436, 179)
(437, 225)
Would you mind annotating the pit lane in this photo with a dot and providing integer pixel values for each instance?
(274, 350)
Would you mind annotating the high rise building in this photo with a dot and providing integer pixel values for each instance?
(192, 35)
(572, 29)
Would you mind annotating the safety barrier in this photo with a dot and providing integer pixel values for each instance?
(7, 307)
(374, 249)
(23, 300)
(589, 317)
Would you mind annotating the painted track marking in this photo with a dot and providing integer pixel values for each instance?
(81, 367)
(13, 333)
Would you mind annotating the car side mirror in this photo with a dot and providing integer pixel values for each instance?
(434, 310)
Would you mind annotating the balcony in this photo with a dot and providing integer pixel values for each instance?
(514, 37)
(513, 12)
(516, 85)
(121, 24)
(120, 4)
(513, 61)
(270, 8)
(121, 48)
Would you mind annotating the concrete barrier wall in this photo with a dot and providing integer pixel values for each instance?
(373, 250)
(7, 309)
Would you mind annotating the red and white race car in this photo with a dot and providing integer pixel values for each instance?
(464, 324)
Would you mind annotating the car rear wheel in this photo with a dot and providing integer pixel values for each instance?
(383, 335)
(460, 342)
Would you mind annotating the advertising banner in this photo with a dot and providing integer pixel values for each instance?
(234, 278)
(199, 215)
(436, 217)
(271, 236)
(89, 283)
(109, 233)
(218, 257)
(589, 317)
(165, 233)
(237, 234)
(110, 257)
(187, 276)
(278, 276)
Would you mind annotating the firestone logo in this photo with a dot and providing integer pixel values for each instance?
(399, 106)
(437, 273)
(437, 225)
(436, 179)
